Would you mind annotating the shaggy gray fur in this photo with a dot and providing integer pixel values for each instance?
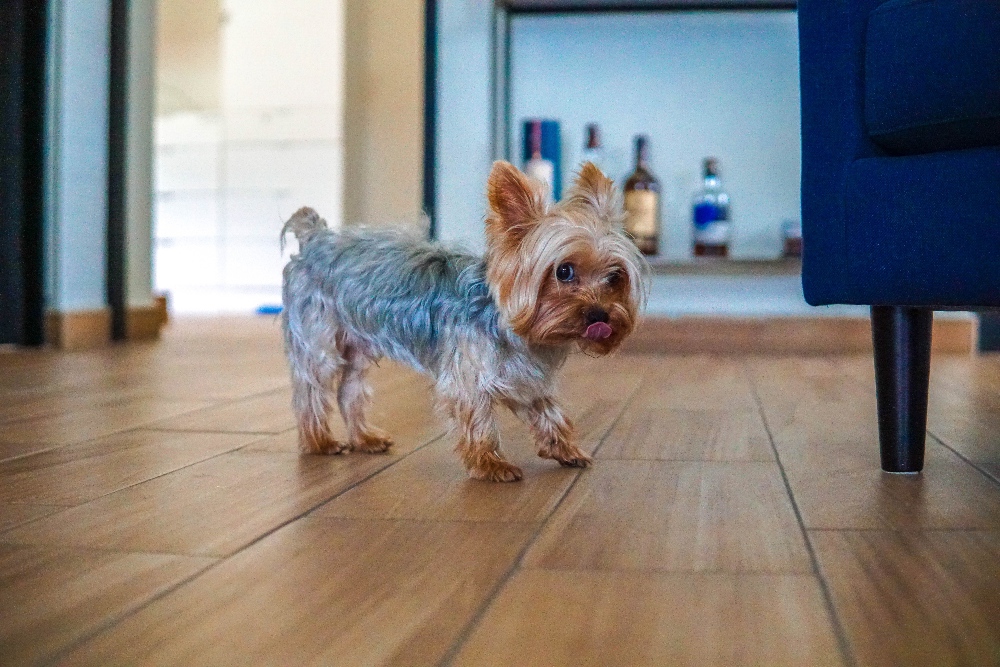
(405, 299)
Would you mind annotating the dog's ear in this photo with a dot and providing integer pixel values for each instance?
(516, 202)
(594, 191)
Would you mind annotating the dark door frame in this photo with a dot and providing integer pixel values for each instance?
(117, 176)
(23, 28)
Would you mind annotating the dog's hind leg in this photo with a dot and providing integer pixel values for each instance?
(354, 398)
(313, 371)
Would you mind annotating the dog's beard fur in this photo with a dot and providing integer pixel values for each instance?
(488, 330)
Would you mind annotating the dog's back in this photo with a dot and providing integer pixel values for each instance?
(396, 292)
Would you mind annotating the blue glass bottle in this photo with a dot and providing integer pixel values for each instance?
(710, 215)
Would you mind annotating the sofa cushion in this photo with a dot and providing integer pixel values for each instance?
(919, 231)
(932, 75)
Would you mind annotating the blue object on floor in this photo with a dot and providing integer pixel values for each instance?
(900, 173)
(269, 310)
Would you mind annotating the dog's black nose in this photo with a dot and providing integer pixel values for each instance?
(596, 314)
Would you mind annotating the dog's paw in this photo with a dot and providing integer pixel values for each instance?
(322, 445)
(331, 447)
(569, 456)
(372, 443)
(581, 461)
(496, 469)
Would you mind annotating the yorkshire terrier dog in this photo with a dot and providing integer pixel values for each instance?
(489, 330)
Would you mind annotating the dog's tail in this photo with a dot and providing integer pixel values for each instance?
(304, 223)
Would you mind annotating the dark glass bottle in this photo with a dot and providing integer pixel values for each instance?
(642, 202)
(710, 215)
(593, 151)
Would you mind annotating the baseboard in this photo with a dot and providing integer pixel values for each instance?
(781, 335)
(144, 322)
(89, 329)
(79, 329)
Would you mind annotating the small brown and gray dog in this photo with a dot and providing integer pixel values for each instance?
(489, 330)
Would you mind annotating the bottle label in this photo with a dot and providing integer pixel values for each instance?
(542, 170)
(640, 205)
(705, 213)
(713, 233)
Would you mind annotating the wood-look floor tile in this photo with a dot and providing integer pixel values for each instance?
(13, 450)
(961, 421)
(976, 377)
(272, 412)
(50, 598)
(825, 429)
(74, 474)
(211, 508)
(14, 515)
(264, 413)
(94, 422)
(654, 515)
(830, 453)
(648, 431)
(612, 618)
(699, 382)
(432, 484)
(691, 408)
(915, 598)
(323, 592)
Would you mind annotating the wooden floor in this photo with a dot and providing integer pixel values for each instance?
(153, 510)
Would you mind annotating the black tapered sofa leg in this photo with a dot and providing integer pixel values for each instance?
(902, 340)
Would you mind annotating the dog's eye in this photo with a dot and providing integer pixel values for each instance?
(614, 278)
(565, 272)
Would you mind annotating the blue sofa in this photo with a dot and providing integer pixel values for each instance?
(901, 180)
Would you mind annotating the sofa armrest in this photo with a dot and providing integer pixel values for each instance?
(832, 61)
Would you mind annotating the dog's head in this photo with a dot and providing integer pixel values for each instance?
(565, 272)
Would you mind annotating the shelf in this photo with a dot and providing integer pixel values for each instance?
(565, 6)
(726, 267)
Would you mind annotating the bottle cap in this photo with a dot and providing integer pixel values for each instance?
(641, 148)
(593, 136)
(711, 166)
(535, 138)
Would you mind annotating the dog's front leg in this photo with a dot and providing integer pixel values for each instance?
(479, 439)
(553, 432)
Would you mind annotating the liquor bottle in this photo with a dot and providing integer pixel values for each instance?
(711, 215)
(642, 201)
(538, 167)
(792, 233)
(593, 151)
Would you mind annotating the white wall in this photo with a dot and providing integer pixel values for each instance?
(139, 153)
(227, 180)
(464, 152)
(701, 84)
(723, 84)
(384, 114)
(77, 156)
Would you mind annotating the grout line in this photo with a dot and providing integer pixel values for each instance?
(473, 622)
(841, 635)
(988, 475)
(162, 429)
(109, 623)
(715, 572)
(903, 530)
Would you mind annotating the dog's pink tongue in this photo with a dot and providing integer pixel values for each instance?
(597, 331)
